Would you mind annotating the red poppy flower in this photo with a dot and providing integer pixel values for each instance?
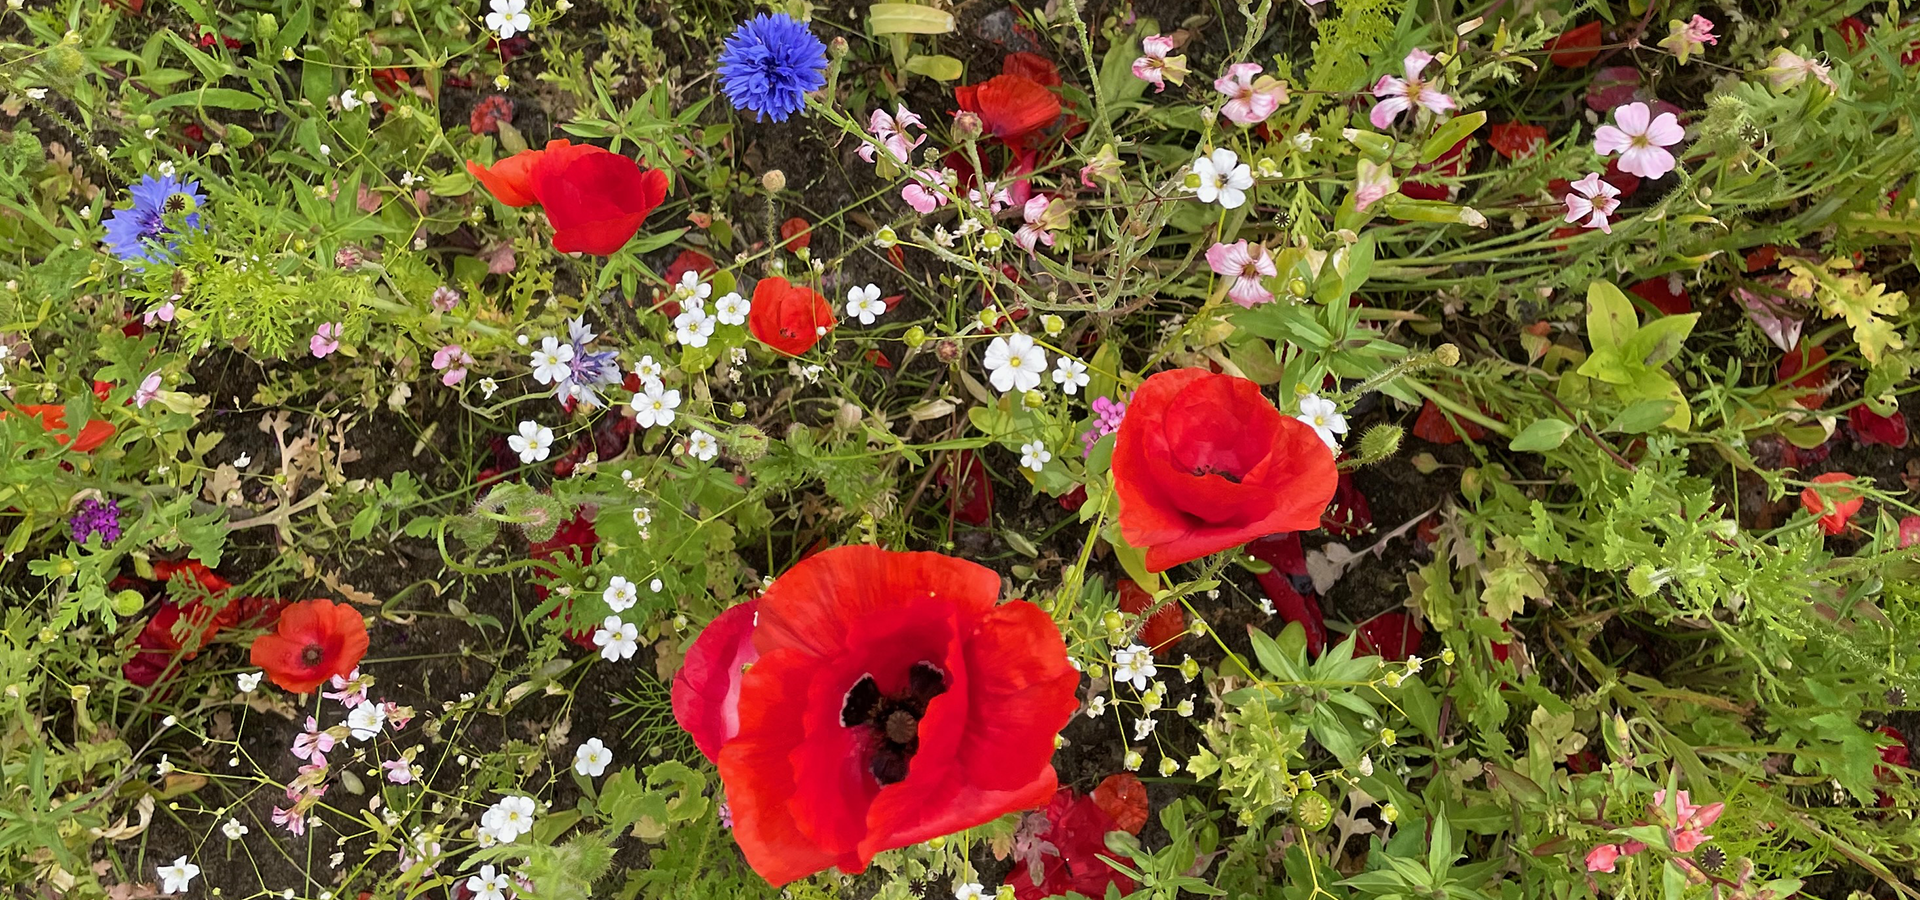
(1287, 586)
(1575, 48)
(1805, 368)
(1390, 635)
(595, 199)
(970, 491)
(796, 234)
(489, 113)
(1033, 67)
(53, 418)
(1664, 294)
(1432, 425)
(316, 640)
(1872, 428)
(706, 692)
(1124, 799)
(1349, 515)
(892, 702)
(1010, 106)
(1514, 140)
(1846, 502)
(1203, 462)
(1164, 629)
(1076, 829)
(788, 317)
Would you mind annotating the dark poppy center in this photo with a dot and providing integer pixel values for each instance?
(1216, 470)
(312, 655)
(893, 721)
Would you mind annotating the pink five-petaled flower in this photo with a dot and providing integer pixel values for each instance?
(1250, 100)
(162, 313)
(891, 132)
(1044, 215)
(325, 340)
(350, 690)
(1603, 858)
(148, 390)
(1156, 67)
(1689, 829)
(1397, 95)
(923, 191)
(1245, 264)
(312, 745)
(1641, 140)
(399, 771)
(1593, 200)
(455, 360)
(1375, 181)
(1686, 38)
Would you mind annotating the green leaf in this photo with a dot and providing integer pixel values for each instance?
(654, 241)
(1659, 340)
(1272, 656)
(908, 18)
(1610, 319)
(1542, 435)
(1450, 134)
(223, 98)
(938, 68)
(1643, 416)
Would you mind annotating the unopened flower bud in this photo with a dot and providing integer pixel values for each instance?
(1053, 324)
(1034, 399)
(885, 237)
(967, 126)
(266, 28)
(1447, 355)
(947, 351)
(837, 47)
(774, 181)
(915, 337)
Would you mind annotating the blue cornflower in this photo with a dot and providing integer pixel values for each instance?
(588, 369)
(770, 63)
(130, 230)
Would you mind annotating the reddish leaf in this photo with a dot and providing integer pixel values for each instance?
(1611, 87)
(879, 360)
(1123, 798)
(1873, 428)
(1575, 48)
(1348, 515)
(970, 498)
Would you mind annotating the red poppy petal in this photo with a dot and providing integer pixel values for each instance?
(706, 690)
(1015, 714)
(510, 180)
(1010, 106)
(1576, 47)
(758, 774)
(603, 237)
(1124, 799)
(814, 604)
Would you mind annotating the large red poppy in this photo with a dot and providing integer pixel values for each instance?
(316, 640)
(892, 702)
(1011, 107)
(788, 317)
(596, 199)
(1203, 462)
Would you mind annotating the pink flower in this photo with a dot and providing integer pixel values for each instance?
(445, 298)
(312, 745)
(397, 716)
(399, 771)
(1156, 67)
(920, 193)
(1245, 264)
(1686, 38)
(162, 313)
(1375, 181)
(1249, 101)
(1689, 829)
(991, 195)
(1044, 215)
(149, 389)
(349, 690)
(455, 360)
(1593, 200)
(1399, 95)
(1640, 139)
(890, 131)
(325, 340)
(293, 820)
(1603, 857)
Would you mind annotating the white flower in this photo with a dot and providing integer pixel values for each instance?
(248, 681)
(1220, 177)
(1015, 364)
(1366, 765)
(1134, 664)
(693, 326)
(508, 819)
(647, 368)
(732, 309)
(551, 361)
(366, 720)
(533, 443)
(349, 101)
(1034, 455)
(1168, 766)
(509, 17)
(654, 405)
(864, 303)
(616, 639)
(1142, 727)
(972, 891)
(177, 878)
(1325, 418)
(1097, 707)
(164, 767)
(488, 386)
(490, 884)
(1414, 663)
(234, 830)
(1070, 374)
(620, 594)
(591, 758)
(702, 446)
(1132, 760)
(1184, 708)
(690, 292)
(242, 461)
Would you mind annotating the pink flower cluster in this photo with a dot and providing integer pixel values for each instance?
(312, 745)
(1108, 414)
(1687, 831)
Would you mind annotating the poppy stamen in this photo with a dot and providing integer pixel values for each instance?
(312, 655)
(893, 720)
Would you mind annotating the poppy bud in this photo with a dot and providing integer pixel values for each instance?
(915, 337)
(1380, 442)
(947, 351)
(967, 126)
(746, 443)
(1447, 355)
(265, 28)
(1034, 399)
(64, 61)
(837, 47)
(774, 181)
(238, 137)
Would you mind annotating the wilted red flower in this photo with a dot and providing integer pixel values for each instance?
(1067, 848)
(1666, 294)
(970, 491)
(1204, 462)
(1575, 48)
(1611, 87)
(1514, 140)
(1846, 502)
(1011, 107)
(1450, 164)
(1390, 635)
(53, 419)
(788, 317)
(489, 113)
(1124, 799)
(1349, 515)
(1872, 428)
(796, 234)
(1432, 425)
(892, 702)
(1805, 367)
(315, 640)
(1288, 587)
(595, 199)
(1161, 631)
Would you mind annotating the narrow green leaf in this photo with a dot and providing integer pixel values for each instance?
(938, 68)
(1450, 134)
(908, 18)
(1541, 435)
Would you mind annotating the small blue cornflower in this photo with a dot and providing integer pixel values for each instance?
(770, 63)
(130, 230)
(588, 369)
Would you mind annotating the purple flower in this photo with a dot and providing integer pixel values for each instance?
(131, 232)
(586, 370)
(1107, 415)
(94, 517)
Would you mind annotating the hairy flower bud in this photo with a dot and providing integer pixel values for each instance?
(774, 181)
(746, 443)
(968, 126)
(1380, 442)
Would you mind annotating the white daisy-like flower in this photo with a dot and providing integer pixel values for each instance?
(620, 594)
(693, 326)
(654, 405)
(1097, 707)
(1134, 664)
(508, 819)
(702, 446)
(552, 362)
(864, 303)
(691, 291)
(490, 884)
(164, 767)
(1325, 418)
(591, 758)
(617, 640)
(1220, 177)
(647, 368)
(1035, 455)
(1014, 363)
(533, 443)
(234, 829)
(509, 17)
(178, 878)
(972, 891)
(1070, 374)
(366, 720)
(248, 681)
(732, 309)
(487, 387)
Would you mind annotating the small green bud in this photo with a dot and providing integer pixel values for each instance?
(266, 29)
(746, 443)
(737, 409)
(144, 121)
(128, 602)
(1034, 399)
(1312, 810)
(1447, 355)
(1380, 442)
(1053, 324)
(915, 337)
(238, 137)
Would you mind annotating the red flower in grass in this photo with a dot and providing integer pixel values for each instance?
(1432, 425)
(1575, 48)
(1011, 107)
(1288, 588)
(893, 701)
(1164, 629)
(1872, 428)
(1666, 294)
(796, 234)
(53, 418)
(1805, 368)
(1390, 635)
(1124, 799)
(969, 489)
(1033, 67)
(1062, 849)
(489, 113)
(1846, 502)
(1909, 531)
(788, 317)
(1204, 462)
(316, 640)
(706, 692)
(595, 199)
(1514, 140)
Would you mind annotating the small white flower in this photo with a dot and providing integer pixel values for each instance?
(349, 101)
(1184, 708)
(178, 878)
(508, 819)
(1070, 374)
(326, 150)
(1034, 455)
(242, 461)
(1220, 177)
(1168, 766)
(693, 326)
(407, 179)
(366, 720)
(690, 291)
(972, 891)
(885, 238)
(591, 758)
(647, 368)
(1414, 663)
(488, 386)
(533, 443)
(864, 303)
(702, 446)
(1142, 727)
(551, 363)
(1014, 363)
(620, 594)
(489, 884)
(656, 585)
(36, 93)
(732, 309)
(616, 639)
(1132, 760)
(509, 17)
(166, 168)
(234, 829)
(1134, 664)
(1097, 707)
(1366, 765)
(164, 767)
(248, 681)
(1325, 418)
(654, 405)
